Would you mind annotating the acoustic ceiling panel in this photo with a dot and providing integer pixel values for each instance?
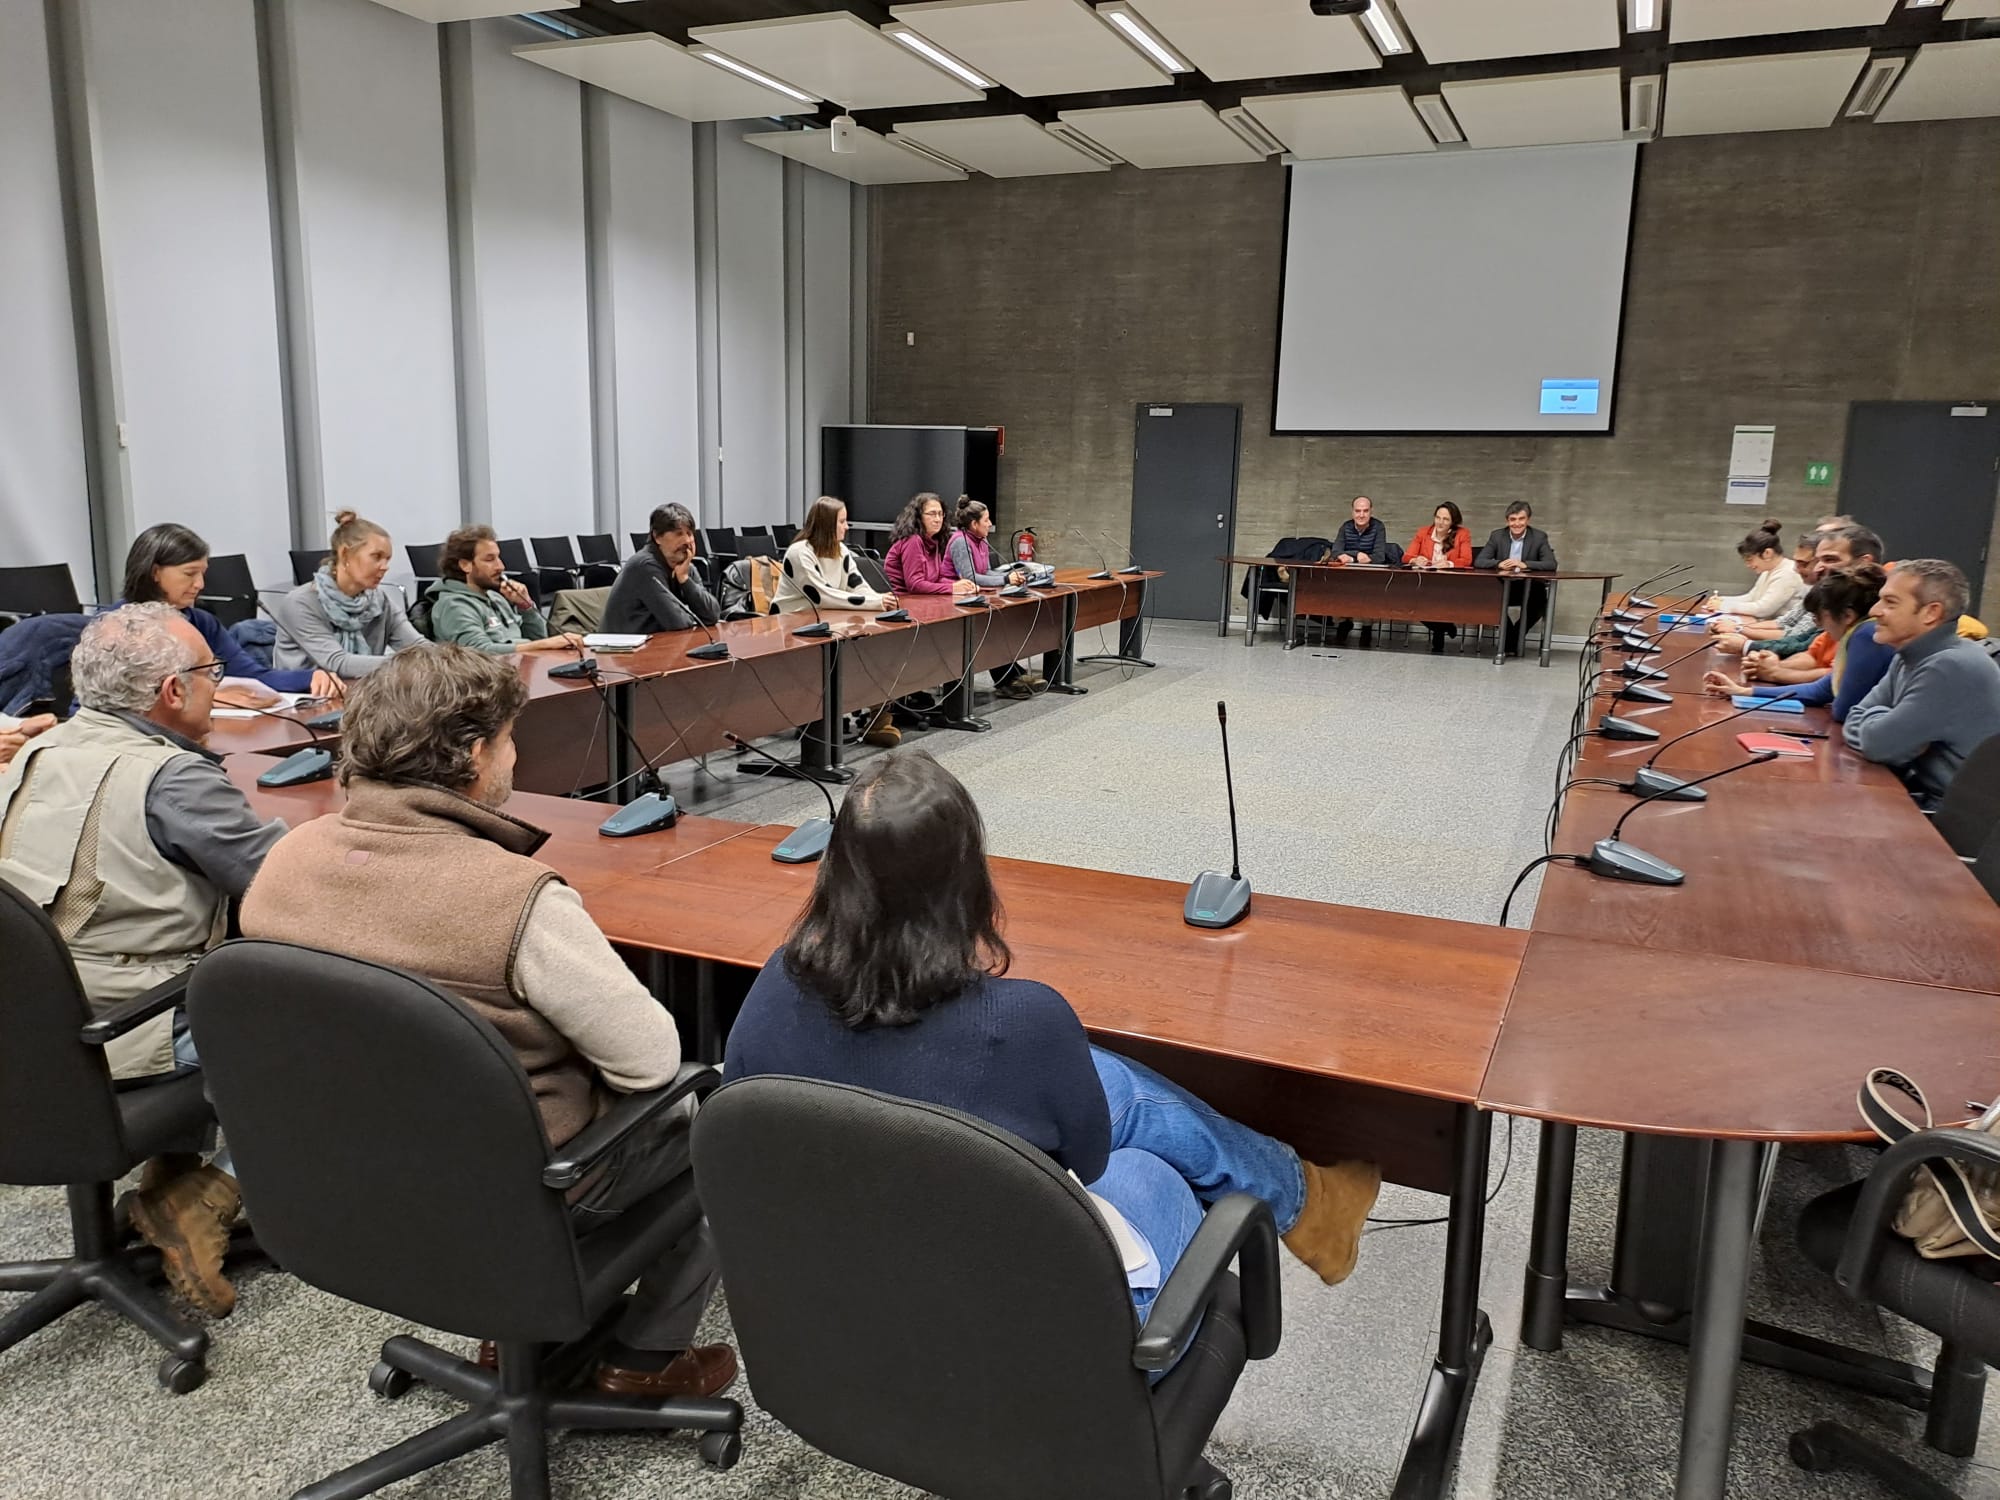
(1034, 47)
(1547, 109)
(1948, 81)
(873, 161)
(1259, 38)
(647, 67)
(838, 56)
(1706, 20)
(1448, 31)
(1001, 146)
(1796, 91)
(1185, 134)
(454, 10)
(1351, 122)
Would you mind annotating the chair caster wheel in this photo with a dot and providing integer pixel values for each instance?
(389, 1381)
(720, 1450)
(1810, 1454)
(182, 1375)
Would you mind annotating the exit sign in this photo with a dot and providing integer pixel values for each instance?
(1819, 473)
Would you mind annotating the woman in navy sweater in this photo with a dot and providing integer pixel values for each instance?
(168, 564)
(891, 981)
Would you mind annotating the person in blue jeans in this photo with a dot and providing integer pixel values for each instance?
(892, 979)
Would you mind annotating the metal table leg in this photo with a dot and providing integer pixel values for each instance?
(1464, 1332)
(1500, 635)
(958, 712)
(1548, 1246)
(1291, 608)
(1721, 1287)
(1222, 622)
(1548, 615)
(1066, 668)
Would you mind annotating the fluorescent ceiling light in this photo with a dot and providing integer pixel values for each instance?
(762, 80)
(1145, 40)
(1643, 15)
(1921, 4)
(931, 51)
(1388, 40)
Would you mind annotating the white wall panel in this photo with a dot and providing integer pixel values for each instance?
(827, 323)
(44, 504)
(750, 271)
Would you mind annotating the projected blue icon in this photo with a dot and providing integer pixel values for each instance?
(1569, 398)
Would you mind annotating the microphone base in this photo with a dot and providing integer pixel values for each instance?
(1624, 617)
(1614, 728)
(816, 630)
(641, 815)
(1616, 860)
(1134, 570)
(328, 720)
(1216, 900)
(1647, 782)
(568, 671)
(713, 651)
(1633, 647)
(1637, 672)
(299, 768)
(1640, 601)
(1638, 692)
(1100, 577)
(805, 843)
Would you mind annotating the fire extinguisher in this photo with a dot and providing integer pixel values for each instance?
(1024, 544)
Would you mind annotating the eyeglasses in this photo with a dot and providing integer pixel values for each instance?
(215, 671)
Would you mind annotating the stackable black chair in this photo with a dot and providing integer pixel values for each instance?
(306, 563)
(1970, 809)
(639, 540)
(44, 589)
(721, 543)
(230, 594)
(1848, 1233)
(391, 1152)
(1014, 1364)
(560, 568)
(750, 545)
(68, 1125)
(602, 549)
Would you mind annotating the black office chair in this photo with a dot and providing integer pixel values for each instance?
(757, 546)
(639, 540)
(560, 569)
(306, 563)
(44, 589)
(68, 1125)
(230, 594)
(872, 570)
(391, 1152)
(1014, 1365)
(1987, 866)
(1970, 808)
(600, 547)
(721, 543)
(1847, 1232)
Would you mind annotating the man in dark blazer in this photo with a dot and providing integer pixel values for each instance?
(1518, 547)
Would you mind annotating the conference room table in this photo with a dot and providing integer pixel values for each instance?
(1369, 591)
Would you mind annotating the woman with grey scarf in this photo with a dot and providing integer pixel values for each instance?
(344, 621)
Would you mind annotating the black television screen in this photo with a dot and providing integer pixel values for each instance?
(877, 469)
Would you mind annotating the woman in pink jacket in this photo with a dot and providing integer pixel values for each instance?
(918, 560)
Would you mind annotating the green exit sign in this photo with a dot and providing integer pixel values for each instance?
(1819, 473)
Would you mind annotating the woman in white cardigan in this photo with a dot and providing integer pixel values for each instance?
(1779, 583)
(820, 574)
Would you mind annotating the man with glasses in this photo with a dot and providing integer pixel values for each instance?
(121, 827)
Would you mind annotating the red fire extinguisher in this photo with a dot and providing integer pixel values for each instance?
(1024, 544)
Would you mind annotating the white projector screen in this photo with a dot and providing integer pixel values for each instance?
(1466, 291)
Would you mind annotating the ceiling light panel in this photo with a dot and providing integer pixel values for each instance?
(1795, 91)
(1546, 109)
(840, 57)
(873, 161)
(1346, 122)
(1948, 81)
(1708, 20)
(442, 11)
(1448, 31)
(1000, 146)
(1035, 47)
(647, 67)
(1184, 134)
(1258, 38)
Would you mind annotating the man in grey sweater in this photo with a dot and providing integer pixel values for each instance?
(1940, 698)
(657, 588)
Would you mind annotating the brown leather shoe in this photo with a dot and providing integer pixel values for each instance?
(705, 1370)
(181, 1218)
(1327, 1236)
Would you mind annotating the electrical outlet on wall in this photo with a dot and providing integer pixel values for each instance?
(910, 339)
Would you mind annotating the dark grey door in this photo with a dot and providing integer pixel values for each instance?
(1924, 474)
(1184, 503)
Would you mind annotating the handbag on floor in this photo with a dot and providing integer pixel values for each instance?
(1951, 1209)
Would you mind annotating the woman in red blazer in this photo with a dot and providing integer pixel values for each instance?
(1445, 543)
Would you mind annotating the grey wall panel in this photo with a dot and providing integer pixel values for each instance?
(750, 271)
(44, 501)
(525, 158)
(827, 325)
(185, 220)
(368, 138)
(650, 184)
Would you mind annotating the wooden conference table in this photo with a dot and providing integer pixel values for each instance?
(1368, 591)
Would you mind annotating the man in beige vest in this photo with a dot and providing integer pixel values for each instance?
(129, 835)
(423, 871)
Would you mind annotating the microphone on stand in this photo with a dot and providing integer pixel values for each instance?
(1639, 601)
(1616, 860)
(819, 626)
(301, 767)
(1622, 614)
(1103, 563)
(1215, 899)
(1640, 672)
(808, 841)
(1131, 557)
(1647, 782)
(584, 667)
(716, 649)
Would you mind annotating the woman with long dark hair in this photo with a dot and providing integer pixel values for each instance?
(919, 560)
(892, 980)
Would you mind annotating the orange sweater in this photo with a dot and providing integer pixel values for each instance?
(1421, 546)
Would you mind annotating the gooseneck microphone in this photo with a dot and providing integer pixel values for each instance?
(819, 626)
(1646, 781)
(1639, 601)
(315, 763)
(1103, 563)
(808, 841)
(1131, 557)
(584, 668)
(1623, 614)
(1215, 899)
(716, 649)
(1616, 860)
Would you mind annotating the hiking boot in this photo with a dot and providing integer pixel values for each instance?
(1327, 1236)
(183, 1217)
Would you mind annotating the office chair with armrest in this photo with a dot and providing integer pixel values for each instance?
(391, 1152)
(1015, 1364)
(306, 561)
(600, 547)
(639, 540)
(229, 592)
(1970, 808)
(1847, 1232)
(44, 589)
(68, 1125)
(561, 570)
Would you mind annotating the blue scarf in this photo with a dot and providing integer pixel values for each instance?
(348, 617)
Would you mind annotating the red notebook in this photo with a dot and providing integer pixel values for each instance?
(1784, 744)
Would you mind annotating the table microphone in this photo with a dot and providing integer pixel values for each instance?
(584, 667)
(1620, 861)
(1646, 781)
(1103, 563)
(1215, 899)
(301, 767)
(716, 649)
(1622, 614)
(819, 626)
(1638, 671)
(1639, 601)
(1131, 557)
(808, 841)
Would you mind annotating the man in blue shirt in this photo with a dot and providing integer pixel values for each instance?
(1362, 540)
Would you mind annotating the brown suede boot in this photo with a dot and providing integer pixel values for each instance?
(1327, 1236)
(182, 1218)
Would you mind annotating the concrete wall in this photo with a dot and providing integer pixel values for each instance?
(1773, 278)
